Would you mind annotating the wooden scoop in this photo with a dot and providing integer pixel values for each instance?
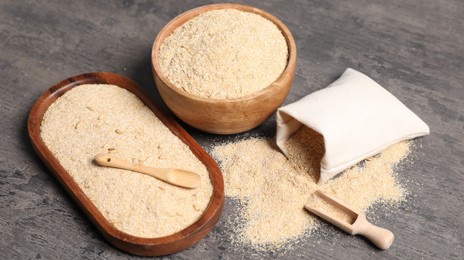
(353, 222)
(176, 177)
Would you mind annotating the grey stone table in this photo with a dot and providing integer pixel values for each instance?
(413, 48)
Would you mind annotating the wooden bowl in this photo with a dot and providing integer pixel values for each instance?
(221, 116)
(135, 245)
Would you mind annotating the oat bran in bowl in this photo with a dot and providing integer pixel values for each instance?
(224, 68)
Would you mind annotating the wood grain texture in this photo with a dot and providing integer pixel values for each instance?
(412, 48)
(220, 116)
(135, 245)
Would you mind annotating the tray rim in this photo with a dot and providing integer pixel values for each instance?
(126, 242)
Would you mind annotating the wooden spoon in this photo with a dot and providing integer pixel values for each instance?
(381, 237)
(173, 176)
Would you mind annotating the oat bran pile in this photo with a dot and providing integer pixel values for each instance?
(272, 189)
(224, 54)
(93, 119)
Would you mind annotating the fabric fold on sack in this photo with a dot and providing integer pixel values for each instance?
(357, 118)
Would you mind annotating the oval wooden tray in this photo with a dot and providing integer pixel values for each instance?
(135, 245)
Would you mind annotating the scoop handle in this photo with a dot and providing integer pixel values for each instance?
(112, 161)
(381, 237)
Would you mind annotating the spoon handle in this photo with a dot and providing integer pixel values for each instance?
(381, 237)
(176, 177)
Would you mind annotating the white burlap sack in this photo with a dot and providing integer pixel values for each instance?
(356, 117)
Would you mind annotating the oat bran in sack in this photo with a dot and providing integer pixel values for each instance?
(357, 118)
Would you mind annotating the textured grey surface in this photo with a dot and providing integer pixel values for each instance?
(415, 49)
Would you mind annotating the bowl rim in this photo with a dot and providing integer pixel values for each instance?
(144, 246)
(189, 14)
